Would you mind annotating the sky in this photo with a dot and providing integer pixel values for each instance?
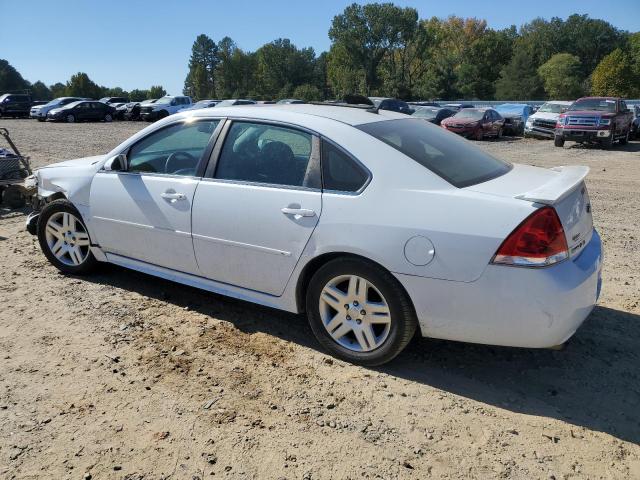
(139, 43)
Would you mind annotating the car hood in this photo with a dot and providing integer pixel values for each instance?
(460, 121)
(78, 162)
(588, 112)
(544, 116)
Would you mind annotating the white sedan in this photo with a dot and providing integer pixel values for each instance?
(373, 223)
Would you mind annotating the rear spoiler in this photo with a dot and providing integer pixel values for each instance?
(568, 178)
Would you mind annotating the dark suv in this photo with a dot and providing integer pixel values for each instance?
(15, 105)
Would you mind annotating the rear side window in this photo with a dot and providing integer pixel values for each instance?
(339, 171)
(454, 159)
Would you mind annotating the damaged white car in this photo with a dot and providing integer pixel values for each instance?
(373, 223)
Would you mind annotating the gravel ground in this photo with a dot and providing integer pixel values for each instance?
(124, 376)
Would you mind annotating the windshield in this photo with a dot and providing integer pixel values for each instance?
(54, 102)
(429, 113)
(164, 100)
(598, 104)
(454, 159)
(226, 103)
(72, 104)
(552, 108)
(470, 113)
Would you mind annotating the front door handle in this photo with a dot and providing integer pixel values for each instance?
(173, 196)
(298, 212)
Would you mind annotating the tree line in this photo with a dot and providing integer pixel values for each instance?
(79, 85)
(381, 49)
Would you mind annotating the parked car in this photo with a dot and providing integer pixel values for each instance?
(433, 114)
(600, 120)
(203, 104)
(488, 251)
(289, 101)
(458, 106)
(391, 104)
(515, 116)
(542, 123)
(635, 124)
(476, 123)
(235, 102)
(132, 109)
(40, 112)
(114, 101)
(82, 111)
(163, 107)
(15, 105)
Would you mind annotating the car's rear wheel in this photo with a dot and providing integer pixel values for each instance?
(359, 312)
(70, 118)
(558, 141)
(64, 238)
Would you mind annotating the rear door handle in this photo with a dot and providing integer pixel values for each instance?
(173, 196)
(300, 212)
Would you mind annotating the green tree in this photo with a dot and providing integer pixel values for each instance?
(80, 85)
(281, 66)
(156, 91)
(200, 82)
(136, 95)
(519, 79)
(10, 78)
(115, 92)
(614, 76)
(366, 34)
(308, 93)
(562, 77)
(58, 90)
(39, 91)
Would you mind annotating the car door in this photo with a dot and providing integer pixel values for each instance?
(258, 205)
(144, 213)
(487, 124)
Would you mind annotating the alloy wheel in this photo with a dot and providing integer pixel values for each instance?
(67, 238)
(71, 118)
(355, 313)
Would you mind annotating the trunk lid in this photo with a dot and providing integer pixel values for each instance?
(561, 187)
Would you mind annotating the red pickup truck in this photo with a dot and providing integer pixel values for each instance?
(600, 120)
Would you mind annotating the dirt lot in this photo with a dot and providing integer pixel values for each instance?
(125, 376)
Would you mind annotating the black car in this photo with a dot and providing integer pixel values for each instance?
(391, 104)
(82, 111)
(424, 104)
(433, 114)
(15, 105)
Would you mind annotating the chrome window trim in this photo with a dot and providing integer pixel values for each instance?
(260, 184)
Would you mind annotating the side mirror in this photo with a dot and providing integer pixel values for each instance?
(119, 163)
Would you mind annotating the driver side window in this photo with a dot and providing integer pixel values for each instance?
(173, 150)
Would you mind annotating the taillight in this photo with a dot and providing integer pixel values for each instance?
(537, 242)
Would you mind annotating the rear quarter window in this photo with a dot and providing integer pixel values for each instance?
(454, 159)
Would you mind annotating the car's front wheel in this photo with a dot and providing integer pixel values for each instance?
(64, 238)
(558, 141)
(70, 118)
(359, 311)
(108, 118)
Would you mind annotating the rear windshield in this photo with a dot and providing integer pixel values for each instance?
(454, 159)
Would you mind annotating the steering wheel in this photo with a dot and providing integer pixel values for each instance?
(180, 156)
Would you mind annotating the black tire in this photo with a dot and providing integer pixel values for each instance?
(558, 141)
(162, 114)
(108, 118)
(609, 141)
(403, 317)
(50, 209)
(71, 118)
(41, 119)
(13, 197)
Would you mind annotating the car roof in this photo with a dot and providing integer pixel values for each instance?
(296, 113)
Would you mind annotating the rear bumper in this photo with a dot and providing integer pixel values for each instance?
(510, 306)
